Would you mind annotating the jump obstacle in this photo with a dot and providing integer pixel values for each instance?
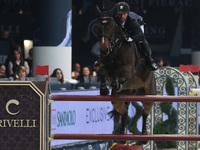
(14, 117)
(157, 137)
(195, 91)
(182, 81)
(146, 98)
(126, 98)
(187, 111)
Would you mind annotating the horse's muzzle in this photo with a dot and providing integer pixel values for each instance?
(105, 52)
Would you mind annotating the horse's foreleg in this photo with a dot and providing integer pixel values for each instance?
(103, 88)
(115, 84)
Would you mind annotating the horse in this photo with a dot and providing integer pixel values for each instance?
(125, 70)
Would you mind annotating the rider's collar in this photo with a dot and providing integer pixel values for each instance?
(122, 24)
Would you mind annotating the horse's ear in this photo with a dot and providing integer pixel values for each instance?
(111, 12)
(98, 11)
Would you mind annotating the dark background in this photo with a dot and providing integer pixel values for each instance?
(171, 25)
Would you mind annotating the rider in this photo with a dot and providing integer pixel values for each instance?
(130, 23)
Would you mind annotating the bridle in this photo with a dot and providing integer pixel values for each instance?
(115, 40)
(111, 37)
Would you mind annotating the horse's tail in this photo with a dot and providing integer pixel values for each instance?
(113, 113)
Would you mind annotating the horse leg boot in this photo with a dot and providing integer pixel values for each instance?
(103, 88)
(147, 51)
(115, 84)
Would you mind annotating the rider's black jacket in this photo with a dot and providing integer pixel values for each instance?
(132, 27)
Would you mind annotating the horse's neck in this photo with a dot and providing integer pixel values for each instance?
(127, 53)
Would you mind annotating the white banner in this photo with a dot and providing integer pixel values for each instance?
(81, 117)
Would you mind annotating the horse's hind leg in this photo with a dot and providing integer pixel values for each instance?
(144, 130)
(124, 118)
(144, 122)
(147, 109)
(145, 114)
(121, 108)
(149, 90)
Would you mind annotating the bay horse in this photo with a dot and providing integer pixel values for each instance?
(127, 73)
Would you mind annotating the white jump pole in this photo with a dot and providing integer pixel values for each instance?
(195, 91)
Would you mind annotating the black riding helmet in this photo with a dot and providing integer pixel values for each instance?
(122, 7)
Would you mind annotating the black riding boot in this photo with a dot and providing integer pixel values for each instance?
(147, 51)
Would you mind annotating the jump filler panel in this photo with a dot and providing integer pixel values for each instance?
(24, 115)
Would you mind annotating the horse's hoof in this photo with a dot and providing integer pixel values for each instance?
(120, 142)
(144, 132)
(141, 142)
(104, 91)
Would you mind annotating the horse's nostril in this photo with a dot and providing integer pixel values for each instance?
(104, 51)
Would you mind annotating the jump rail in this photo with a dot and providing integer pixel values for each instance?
(146, 98)
(126, 98)
(156, 137)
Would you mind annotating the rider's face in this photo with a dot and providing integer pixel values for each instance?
(122, 17)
